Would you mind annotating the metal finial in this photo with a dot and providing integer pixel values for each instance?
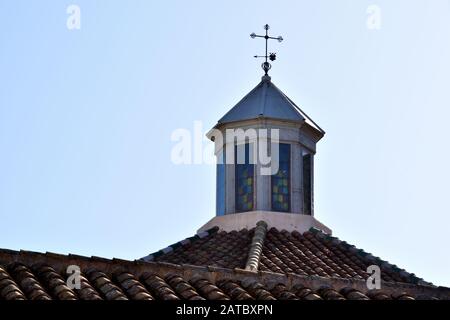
(272, 56)
(266, 67)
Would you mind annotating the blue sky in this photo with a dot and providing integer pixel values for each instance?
(86, 118)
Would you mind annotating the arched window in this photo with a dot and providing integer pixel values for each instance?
(281, 180)
(244, 176)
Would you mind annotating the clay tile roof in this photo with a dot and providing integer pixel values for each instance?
(210, 266)
(311, 253)
(29, 275)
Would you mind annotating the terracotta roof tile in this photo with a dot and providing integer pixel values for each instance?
(158, 287)
(28, 282)
(353, 294)
(104, 285)
(305, 293)
(234, 290)
(210, 265)
(9, 289)
(86, 291)
(131, 286)
(281, 292)
(330, 294)
(209, 290)
(52, 280)
(182, 288)
(310, 253)
(28, 275)
(378, 295)
(258, 290)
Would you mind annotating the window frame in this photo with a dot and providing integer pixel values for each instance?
(248, 148)
(221, 190)
(289, 185)
(307, 187)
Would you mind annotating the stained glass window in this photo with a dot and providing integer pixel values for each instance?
(281, 180)
(244, 178)
(307, 184)
(220, 187)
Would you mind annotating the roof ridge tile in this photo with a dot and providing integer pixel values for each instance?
(119, 260)
(100, 259)
(55, 255)
(29, 252)
(76, 256)
(167, 264)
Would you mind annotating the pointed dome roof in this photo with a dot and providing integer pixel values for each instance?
(267, 101)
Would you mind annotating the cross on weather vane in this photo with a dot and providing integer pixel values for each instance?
(272, 56)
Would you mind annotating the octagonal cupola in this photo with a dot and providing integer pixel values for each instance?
(265, 119)
(265, 147)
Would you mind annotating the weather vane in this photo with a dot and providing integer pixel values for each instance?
(272, 56)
